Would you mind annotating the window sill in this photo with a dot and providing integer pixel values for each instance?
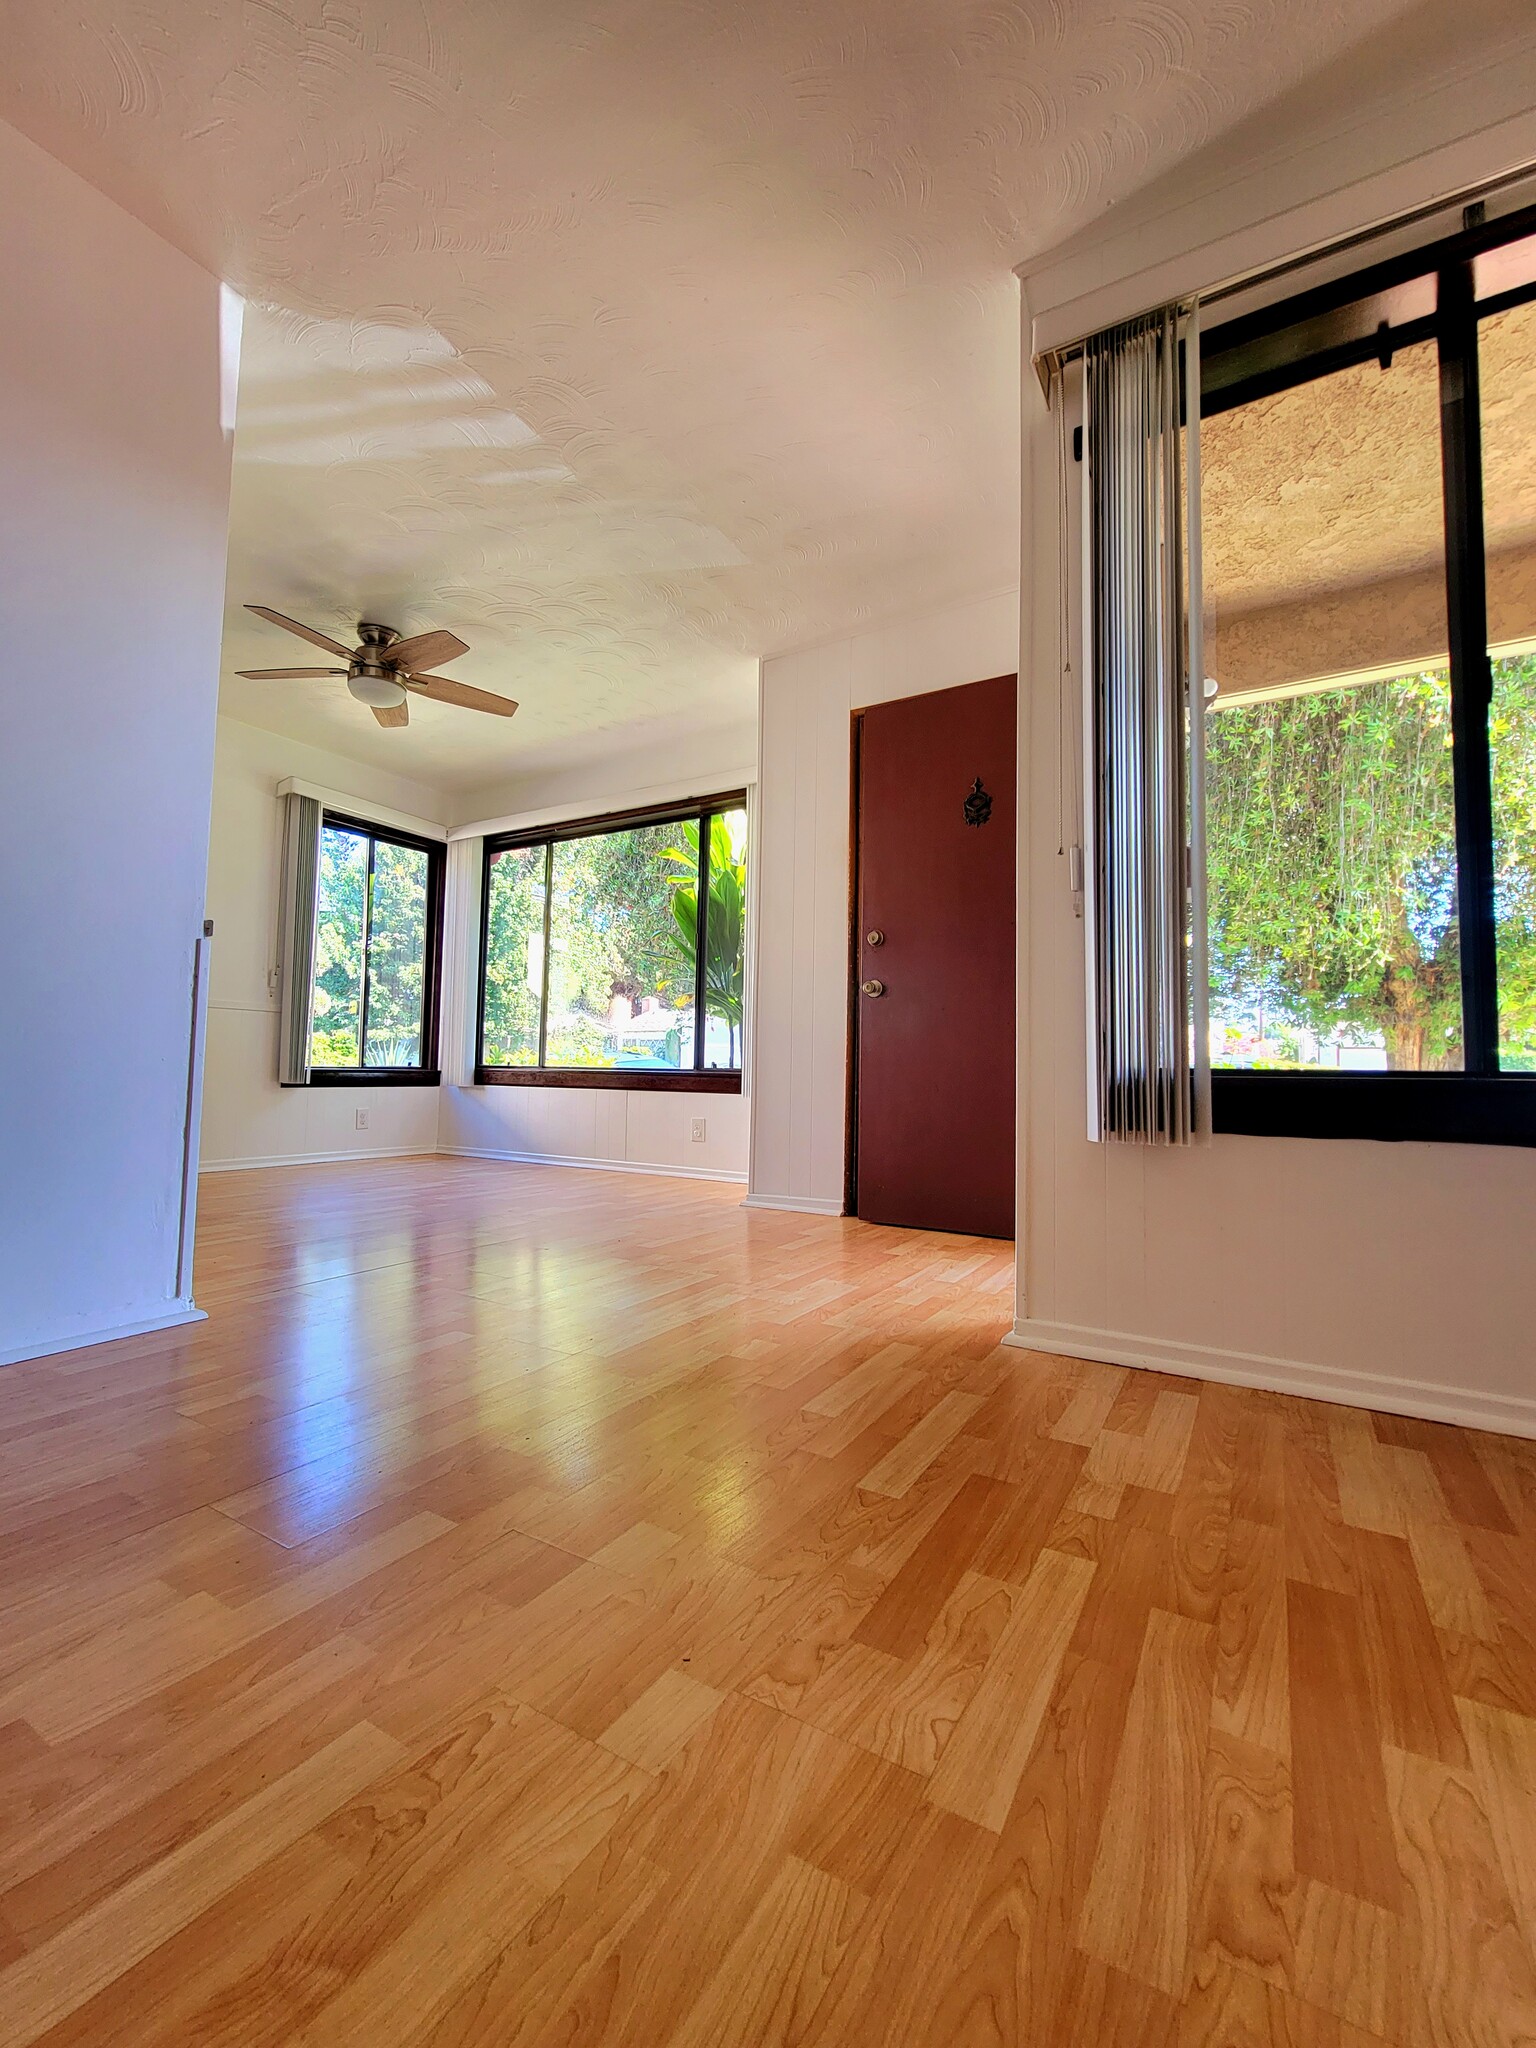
(682, 1081)
(375, 1077)
(1459, 1109)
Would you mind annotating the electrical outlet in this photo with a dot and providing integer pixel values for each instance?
(696, 1133)
(360, 1119)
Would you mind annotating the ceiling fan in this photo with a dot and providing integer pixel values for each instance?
(383, 671)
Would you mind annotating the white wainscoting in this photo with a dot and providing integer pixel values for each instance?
(644, 1130)
(598, 1165)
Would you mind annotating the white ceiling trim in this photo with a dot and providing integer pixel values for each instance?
(364, 808)
(654, 795)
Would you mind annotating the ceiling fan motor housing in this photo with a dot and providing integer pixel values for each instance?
(371, 681)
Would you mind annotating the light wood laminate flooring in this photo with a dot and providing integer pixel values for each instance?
(546, 1607)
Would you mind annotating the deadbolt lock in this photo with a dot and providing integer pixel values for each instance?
(873, 988)
(874, 938)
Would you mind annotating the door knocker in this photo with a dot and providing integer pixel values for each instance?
(978, 805)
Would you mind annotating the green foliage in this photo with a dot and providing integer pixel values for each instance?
(397, 940)
(1332, 867)
(1512, 737)
(394, 918)
(514, 950)
(339, 948)
(333, 1049)
(610, 936)
(725, 959)
(623, 930)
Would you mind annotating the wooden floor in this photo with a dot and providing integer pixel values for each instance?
(563, 1608)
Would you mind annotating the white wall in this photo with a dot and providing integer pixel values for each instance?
(113, 521)
(248, 1120)
(799, 1068)
(1400, 1276)
(624, 1128)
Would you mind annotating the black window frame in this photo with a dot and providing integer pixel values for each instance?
(429, 1073)
(695, 1080)
(1297, 341)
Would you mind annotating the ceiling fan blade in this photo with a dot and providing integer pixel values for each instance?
(392, 714)
(270, 675)
(444, 690)
(273, 618)
(427, 650)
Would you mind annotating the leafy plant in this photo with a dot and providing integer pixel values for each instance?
(623, 945)
(725, 923)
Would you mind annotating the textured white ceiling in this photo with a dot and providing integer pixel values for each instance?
(630, 340)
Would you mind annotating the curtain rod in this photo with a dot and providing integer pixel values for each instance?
(1049, 361)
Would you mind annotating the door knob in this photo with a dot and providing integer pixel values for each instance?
(874, 938)
(873, 988)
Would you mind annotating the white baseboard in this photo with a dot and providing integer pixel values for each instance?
(800, 1205)
(171, 1320)
(314, 1158)
(594, 1165)
(1508, 1414)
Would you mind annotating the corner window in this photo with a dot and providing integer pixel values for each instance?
(377, 944)
(1368, 497)
(613, 952)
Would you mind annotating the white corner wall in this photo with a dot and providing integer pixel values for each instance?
(113, 520)
(1396, 1276)
(248, 1120)
(800, 1046)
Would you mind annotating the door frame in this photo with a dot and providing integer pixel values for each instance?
(851, 1093)
(855, 950)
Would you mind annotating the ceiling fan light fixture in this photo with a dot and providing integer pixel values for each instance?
(381, 692)
(382, 667)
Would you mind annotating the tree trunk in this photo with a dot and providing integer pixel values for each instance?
(1405, 1044)
(1412, 992)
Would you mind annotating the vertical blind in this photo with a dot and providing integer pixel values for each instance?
(299, 902)
(1143, 724)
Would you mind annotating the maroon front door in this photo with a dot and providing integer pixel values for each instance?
(934, 950)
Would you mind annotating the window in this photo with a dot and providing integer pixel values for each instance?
(377, 938)
(613, 952)
(1368, 516)
(1507, 352)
